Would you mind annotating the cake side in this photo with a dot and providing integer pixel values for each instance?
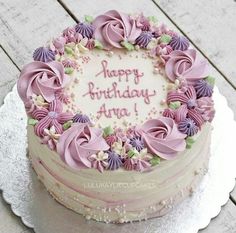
(122, 196)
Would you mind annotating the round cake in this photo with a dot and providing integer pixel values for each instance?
(119, 117)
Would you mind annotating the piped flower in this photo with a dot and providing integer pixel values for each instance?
(85, 29)
(53, 116)
(111, 139)
(44, 54)
(206, 108)
(62, 96)
(70, 35)
(118, 148)
(90, 44)
(144, 39)
(168, 112)
(68, 63)
(188, 100)
(142, 159)
(162, 29)
(39, 101)
(50, 138)
(188, 126)
(203, 88)
(121, 135)
(99, 160)
(129, 164)
(143, 22)
(59, 44)
(137, 143)
(81, 118)
(114, 160)
(179, 43)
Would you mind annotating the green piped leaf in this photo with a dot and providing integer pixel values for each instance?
(165, 38)
(108, 131)
(174, 105)
(67, 125)
(131, 153)
(127, 45)
(189, 142)
(210, 80)
(32, 121)
(98, 44)
(155, 160)
(69, 70)
(152, 19)
(68, 50)
(88, 18)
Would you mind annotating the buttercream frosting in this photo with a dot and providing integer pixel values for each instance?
(44, 54)
(41, 79)
(186, 64)
(113, 27)
(78, 143)
(162, 137)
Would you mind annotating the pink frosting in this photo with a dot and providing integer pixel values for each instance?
(78, 143)
(53, 116)
(162, 137)
(206, 108)
(114, 27)
(41, 79)
(59, 44)
(186, 64)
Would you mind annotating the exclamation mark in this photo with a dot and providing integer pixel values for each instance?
(135, 109)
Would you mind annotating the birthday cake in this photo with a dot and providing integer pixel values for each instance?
(119, 117)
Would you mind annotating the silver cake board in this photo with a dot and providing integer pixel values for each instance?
(30, 200)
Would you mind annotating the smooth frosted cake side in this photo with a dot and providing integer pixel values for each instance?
(119, 110)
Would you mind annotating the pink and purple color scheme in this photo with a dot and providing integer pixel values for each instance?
(155, 136)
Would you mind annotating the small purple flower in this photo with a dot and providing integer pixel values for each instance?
(81, 118)
(114, 160)
(137, 143)
(188, 126)
(144, 39)
(85, 29)
(179, 43)
(203, 88)
(43, 54)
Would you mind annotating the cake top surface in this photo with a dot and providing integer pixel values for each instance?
(117, 91)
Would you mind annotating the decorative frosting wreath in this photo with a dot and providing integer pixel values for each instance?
(42, 87)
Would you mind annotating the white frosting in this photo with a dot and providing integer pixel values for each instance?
(121, 196)
(126, 65)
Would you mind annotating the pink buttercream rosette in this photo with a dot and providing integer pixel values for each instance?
(41, 79)
(162, 137)
(78, 143)
(186, 64)
(113, 27)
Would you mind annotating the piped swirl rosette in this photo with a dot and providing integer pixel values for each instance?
(186, 64)
(162, 137)
(78, 143)
(113, 27)
(43, 79)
